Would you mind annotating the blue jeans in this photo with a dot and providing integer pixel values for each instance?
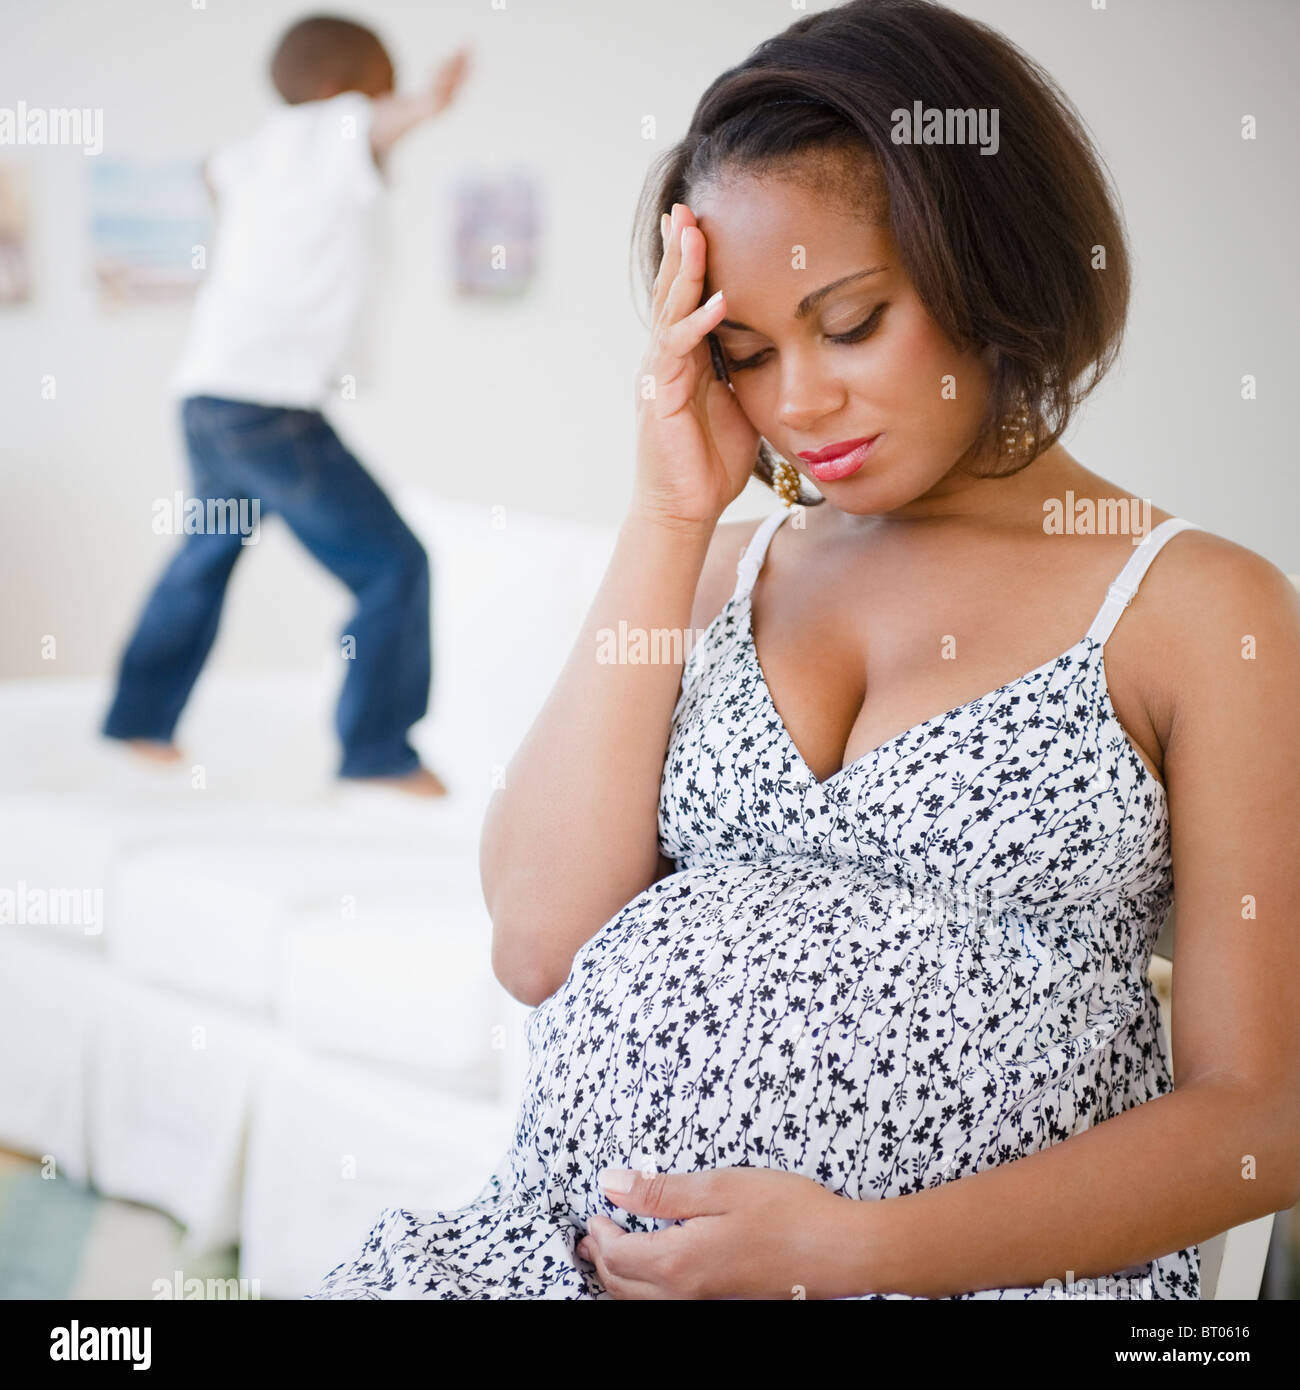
(292, 463)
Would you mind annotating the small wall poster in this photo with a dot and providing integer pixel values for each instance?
(15, 276)
(149, 229)
(495, 239)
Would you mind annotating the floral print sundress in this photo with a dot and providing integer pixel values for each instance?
(930, 963)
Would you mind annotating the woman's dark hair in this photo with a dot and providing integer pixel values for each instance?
(323, 49)
(1022, 251)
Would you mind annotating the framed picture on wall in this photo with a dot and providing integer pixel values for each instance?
(495, 238)
(149, 229)
(15, 274)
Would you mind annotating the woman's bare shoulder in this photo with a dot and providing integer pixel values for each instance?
(717, 580)
(1206, 573)
(1218, 601)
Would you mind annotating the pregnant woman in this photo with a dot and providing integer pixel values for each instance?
(837, 917)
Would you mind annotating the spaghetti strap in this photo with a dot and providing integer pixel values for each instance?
(752, 560)
(1120, 594)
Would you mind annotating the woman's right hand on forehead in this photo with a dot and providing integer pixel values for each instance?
(695, 446)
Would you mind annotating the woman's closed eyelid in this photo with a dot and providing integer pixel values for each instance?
(855, 333)
(858, 321)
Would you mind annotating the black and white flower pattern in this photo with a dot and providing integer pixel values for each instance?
(928, 964)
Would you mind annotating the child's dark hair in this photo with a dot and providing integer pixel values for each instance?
(323, 53)
(1004, 250)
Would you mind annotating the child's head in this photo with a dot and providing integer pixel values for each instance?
(321, 56)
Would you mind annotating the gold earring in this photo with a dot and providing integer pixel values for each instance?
(1017, 437)
(785, 482)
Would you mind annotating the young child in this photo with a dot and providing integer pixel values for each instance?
(272, 328)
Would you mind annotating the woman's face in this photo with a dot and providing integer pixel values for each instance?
(815, 368)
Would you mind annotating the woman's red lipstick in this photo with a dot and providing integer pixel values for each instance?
(838, 461)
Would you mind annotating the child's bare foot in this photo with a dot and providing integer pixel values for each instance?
(421, 782)
(154, 751)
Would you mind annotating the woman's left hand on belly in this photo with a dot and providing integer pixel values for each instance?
(745, 1233)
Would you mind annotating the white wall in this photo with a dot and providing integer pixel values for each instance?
(531, 405)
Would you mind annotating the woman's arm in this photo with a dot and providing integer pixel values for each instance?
(573, 835)
(1224, 1146)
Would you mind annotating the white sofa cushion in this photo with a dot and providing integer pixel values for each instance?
(170, 1089)
(57, 855)
(399, 974)
(332, 1143)
(51, 1001)
(208, 912)
(510, 591)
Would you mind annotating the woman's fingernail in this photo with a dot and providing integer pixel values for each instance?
(616, 1179)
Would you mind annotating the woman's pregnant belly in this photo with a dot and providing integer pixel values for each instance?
(800, 1015)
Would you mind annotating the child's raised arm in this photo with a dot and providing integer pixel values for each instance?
(394, 115)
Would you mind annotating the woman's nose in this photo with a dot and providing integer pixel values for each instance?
(808, 394)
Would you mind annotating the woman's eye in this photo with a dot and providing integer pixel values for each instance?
(748, 362)
(853, 335)
(865, 328)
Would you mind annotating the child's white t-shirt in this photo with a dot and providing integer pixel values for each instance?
(276, 318)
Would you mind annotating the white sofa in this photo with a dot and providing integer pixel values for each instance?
(284, 1017)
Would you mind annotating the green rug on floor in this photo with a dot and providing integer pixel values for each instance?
(60, 1239)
